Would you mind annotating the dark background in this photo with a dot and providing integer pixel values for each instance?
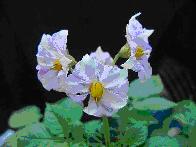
(92, 23)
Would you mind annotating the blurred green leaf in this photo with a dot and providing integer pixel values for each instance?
(25, 116)
(153, 103)
(139, 90)
(192, 134)
(183, 141)
(164, 128)
(126, 117)
(185, 112)
(77, 132)
(31, 134)
(92, 127)
(162, 141)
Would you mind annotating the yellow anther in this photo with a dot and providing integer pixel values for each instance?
(96, 91)
(139, 52)
(57, 65)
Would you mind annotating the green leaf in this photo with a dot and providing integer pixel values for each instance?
(153, 103)
(192, 140)
(164, 129)
(92, 127)
(135, 135)
(139, 115)
(185, 112)
(51, 121)
(183, 141)
(30, 134)
(61, 116)
(69, 110)
(25, 116)
(139, 90)
(77, 132)
(162, 141)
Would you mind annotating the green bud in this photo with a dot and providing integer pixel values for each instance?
(125, 51)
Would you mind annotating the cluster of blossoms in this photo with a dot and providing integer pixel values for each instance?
(95, 77)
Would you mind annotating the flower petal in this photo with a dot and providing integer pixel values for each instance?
(98, 109)
(103, 57)
(77, 97)
(128, 64)
(48, 80)
(59, 41)
(114, 101)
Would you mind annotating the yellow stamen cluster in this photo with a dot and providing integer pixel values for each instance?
(139, 52)
(96, 91)
(57, 65)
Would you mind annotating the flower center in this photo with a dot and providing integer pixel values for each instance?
(139, 52)
(96, 91)
(57, 65)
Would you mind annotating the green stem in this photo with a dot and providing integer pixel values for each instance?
(106, 131)
(117, 56)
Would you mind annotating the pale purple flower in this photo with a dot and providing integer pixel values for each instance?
(137, 38)
(106, 85)
(102, 56)
(53, 60)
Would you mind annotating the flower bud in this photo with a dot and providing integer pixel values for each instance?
(125, 51)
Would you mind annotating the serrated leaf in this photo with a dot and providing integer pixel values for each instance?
(135, 135)
(162, 141)
(139, 90)
(61, 116)
(25, 116)
(92, 127)
(153, 103)
(69, 110)
(185, 112)
(51, 121)
(77, 132)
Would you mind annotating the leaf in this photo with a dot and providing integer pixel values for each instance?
(69, 110)
(145, 116)
(92, 127)
(153, 103)
(135, 135)
(77, 132)
(162, 141)
(51, 121)
(185, 112)
(151, 87)
(162, 130)
(31, 134)
(25, 116)
(61, 116)
(183, 141)
(192, 140)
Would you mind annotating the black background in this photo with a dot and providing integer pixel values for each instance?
(92, 23)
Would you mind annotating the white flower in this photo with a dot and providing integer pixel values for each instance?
(106, 85)
(53, 60)
(103, 57)
(137, 38)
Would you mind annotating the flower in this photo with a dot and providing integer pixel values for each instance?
(106, 85)
(53, 60)
(103, 57)
(137, 38)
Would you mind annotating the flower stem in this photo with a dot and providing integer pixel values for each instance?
(117, 56)
(106, 131)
